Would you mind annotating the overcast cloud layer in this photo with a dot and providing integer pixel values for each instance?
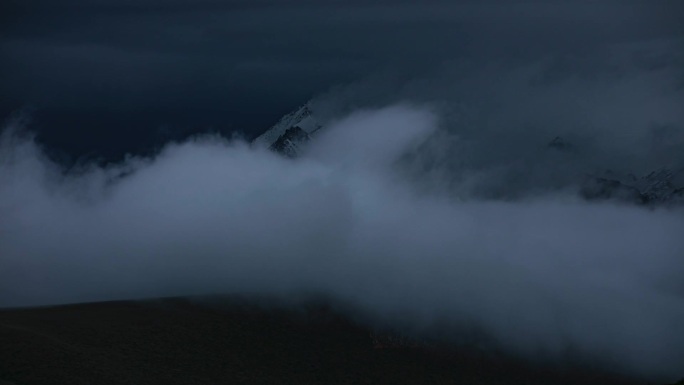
(146, 71)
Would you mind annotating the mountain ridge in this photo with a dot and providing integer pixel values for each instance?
(662, 186)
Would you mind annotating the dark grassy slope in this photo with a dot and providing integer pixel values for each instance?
(183, 342)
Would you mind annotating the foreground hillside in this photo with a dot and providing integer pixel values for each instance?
(183, 342)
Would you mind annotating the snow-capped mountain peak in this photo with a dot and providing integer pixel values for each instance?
(291, 131)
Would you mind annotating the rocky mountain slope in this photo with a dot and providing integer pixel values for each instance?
(291, 132)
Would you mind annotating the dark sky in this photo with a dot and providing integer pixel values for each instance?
(101, 78)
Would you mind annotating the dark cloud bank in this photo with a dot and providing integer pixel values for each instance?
(150, 70)
(430, 201)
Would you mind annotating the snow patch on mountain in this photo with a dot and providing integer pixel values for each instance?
(290, 131)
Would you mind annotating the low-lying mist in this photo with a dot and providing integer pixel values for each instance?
(543, 275)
